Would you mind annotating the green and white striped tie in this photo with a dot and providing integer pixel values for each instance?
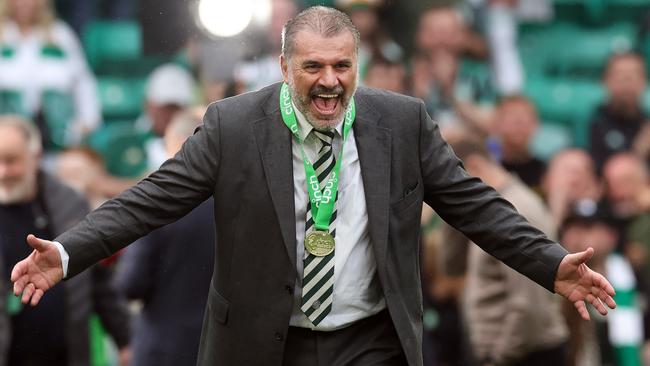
(318, 272)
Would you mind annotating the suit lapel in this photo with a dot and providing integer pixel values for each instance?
(373, 145)
(274, 144)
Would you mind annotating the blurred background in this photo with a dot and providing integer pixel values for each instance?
(546, 100)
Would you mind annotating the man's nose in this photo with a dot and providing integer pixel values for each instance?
(329, 78)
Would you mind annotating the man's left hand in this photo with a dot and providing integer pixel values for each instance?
(578, 283)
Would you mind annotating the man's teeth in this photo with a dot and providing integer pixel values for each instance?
(327, 95)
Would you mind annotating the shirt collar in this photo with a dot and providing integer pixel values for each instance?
(306, 127)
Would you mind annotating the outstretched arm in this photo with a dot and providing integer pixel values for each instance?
(578, 283)
(38, 272)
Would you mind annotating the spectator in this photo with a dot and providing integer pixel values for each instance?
(617, 123)
(43, 73)
(626, 182)
(169, 271)
(618, 338)
(384, 74)
(455, 94)
(571, 176)
(170, 88)
(515, 123)
(83, 169)
(375, 41)
(32, 201)
(4, 316)
(510, 320)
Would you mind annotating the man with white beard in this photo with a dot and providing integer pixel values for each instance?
(32, 201)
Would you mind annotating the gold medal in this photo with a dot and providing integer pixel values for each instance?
(319, 243)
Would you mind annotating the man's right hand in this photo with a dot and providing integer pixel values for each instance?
(38, 272)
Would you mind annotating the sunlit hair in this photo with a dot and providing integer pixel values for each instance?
(44, 18)
(322, 20)
(27, 128)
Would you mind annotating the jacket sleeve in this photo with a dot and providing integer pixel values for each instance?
(110, 306)
(475, 209)
(180, 184)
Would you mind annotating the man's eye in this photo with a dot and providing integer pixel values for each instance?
(312, 68)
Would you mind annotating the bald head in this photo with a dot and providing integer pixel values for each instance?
(626, 177)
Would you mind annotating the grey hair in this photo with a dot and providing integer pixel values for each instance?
(322, 20)
(27, 128)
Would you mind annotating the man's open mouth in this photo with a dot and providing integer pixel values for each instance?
(326, 104)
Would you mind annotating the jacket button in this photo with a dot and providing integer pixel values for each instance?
(289, 289)
(278, 337)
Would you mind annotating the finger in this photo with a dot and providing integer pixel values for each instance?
(18, 271)
(604, 297)
(595, 302)
(38, 294)
(582, 309)
(39, 245)
(19, 286)
(603, 284)
(584, 256)
(27, 294)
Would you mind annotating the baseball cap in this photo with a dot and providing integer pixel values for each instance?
(170, 84)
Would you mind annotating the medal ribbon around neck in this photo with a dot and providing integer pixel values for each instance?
(322, 200)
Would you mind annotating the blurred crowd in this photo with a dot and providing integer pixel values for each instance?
(77, 127)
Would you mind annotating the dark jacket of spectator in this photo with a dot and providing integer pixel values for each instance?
(170, 271)
(612, 132)
(86, 294)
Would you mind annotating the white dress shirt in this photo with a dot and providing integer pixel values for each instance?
(357, 293)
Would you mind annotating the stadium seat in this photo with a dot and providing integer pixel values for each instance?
(569, 50)
(108, 41)
(58, 114)
(121, 97)
(549, 139)
(122, 148)
(11, 102)
(567, 101)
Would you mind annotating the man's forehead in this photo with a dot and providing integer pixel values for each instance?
(12, 135)
(310, 41)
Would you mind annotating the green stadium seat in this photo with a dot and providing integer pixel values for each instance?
(108, 41)
(58, 113)
(11, 102)
(569, 50)
(122, 148)
(549, 139)
(120, 97)
(567, 101)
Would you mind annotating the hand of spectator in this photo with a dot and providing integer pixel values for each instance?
(38, 272)
(578, 283)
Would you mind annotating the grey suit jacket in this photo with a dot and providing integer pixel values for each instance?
(242, 156)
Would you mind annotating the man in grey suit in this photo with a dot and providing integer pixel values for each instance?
(318, 188)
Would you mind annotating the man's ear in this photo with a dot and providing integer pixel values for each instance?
(284, 66)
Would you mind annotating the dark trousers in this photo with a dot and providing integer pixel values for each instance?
(369, 342)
